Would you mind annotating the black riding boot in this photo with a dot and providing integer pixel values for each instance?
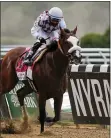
(27, 60)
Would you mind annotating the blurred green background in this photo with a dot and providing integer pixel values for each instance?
(92, 19)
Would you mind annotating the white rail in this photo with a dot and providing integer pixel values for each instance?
(90, 55)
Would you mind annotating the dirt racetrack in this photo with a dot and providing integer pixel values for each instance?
(62, 131)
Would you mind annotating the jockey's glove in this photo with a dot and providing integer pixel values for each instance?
(42, 40)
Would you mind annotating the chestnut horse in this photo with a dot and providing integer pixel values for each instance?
(49, 75)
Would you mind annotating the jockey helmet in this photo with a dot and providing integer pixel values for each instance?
(55, 14)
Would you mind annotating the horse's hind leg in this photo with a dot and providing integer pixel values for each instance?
(21, 95)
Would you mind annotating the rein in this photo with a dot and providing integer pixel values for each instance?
(59, 46)
(69, 66)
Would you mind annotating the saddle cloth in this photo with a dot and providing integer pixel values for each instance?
(23, 71)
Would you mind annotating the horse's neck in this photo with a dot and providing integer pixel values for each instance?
(60, 62)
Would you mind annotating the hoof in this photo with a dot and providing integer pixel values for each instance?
(49, 119)
(49, 124)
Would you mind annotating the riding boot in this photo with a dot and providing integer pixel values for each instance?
(51, 46)
(38, 52)
(27, 60)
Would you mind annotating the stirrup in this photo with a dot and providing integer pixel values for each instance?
(28, 62)
(29, 55)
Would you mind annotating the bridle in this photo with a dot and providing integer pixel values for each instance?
(62, 51)
(68, 55)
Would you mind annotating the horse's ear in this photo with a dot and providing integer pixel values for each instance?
(74, 31)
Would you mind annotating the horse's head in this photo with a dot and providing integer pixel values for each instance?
(69, 45)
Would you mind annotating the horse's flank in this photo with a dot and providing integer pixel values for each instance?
(8, 66)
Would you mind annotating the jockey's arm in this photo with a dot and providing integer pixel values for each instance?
(34, 32)
(56, 33)
(62, 23)
(37, 25)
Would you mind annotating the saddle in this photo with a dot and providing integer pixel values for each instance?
(24, 71)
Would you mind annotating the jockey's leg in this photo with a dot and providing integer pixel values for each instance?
(38, 51)
(32, 51)
(51, 45)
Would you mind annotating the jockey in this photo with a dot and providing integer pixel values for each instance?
(46, 31)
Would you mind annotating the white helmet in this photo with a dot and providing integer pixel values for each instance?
(56, 12)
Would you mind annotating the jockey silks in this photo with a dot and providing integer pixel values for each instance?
(43, 28)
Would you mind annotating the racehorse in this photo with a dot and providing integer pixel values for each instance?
(49, 74)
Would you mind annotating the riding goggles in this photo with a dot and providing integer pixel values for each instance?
(54, 20)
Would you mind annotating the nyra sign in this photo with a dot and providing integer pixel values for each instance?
(90, 96)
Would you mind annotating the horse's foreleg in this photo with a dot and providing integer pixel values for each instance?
(57, 107)
(42, 103)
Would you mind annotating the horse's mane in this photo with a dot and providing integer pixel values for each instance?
(54, 47)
